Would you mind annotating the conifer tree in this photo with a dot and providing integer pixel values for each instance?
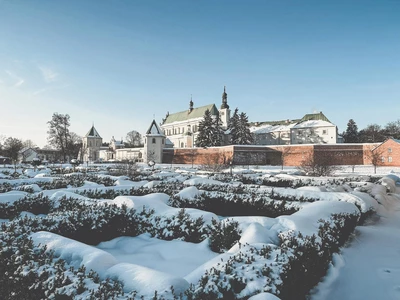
(218, 132)
(351, 133)
(206, 131)
(233, 127)
(244, 135)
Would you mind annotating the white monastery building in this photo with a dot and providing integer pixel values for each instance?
(181, 128)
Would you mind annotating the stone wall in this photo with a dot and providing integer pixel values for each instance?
(289, 155)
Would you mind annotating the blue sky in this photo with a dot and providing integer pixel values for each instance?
(119, 63)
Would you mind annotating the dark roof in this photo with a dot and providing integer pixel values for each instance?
(154, 129)
(93, 133)
(315, 116)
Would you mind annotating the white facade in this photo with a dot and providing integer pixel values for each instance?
(314, 132)
(272, 134)
(27, 155)
(181, 128)
(91, 144)
(154, 143)
(311, 129)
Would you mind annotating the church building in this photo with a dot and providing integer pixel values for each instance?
(181, 128)
(91, 144)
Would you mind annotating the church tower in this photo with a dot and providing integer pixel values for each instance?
(224, 112)
(91, 144)
(154, 143)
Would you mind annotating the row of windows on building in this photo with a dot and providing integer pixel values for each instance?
(311, 131)
(93, 143)
(154, 141)
(181, 130)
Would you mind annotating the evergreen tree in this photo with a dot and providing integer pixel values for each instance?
(244, 135)
(218, 132)
(233, 127)
(206, 131)
(351, 133)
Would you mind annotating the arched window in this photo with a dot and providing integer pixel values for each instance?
(153, 140)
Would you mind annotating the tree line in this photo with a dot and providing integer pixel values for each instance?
(373, 133)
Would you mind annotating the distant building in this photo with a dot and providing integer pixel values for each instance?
(154, 143)
(311, 129)
(181, 128)
(91, 144)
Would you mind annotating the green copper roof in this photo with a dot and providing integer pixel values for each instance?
(197, 112)
(317, 116)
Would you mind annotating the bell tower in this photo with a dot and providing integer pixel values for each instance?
(224, 112)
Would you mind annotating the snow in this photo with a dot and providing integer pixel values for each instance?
(313, 123)
(134, 277)
(201, 180)
(75, 253)
(367, 268)
(174, 257)
(306, 219)
(264, 296)
(145, 280)
(189, 193)
(11, 197)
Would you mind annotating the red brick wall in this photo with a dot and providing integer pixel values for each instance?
(339, 154)
(383, 151)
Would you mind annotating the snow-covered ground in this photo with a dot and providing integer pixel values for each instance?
(367, 268)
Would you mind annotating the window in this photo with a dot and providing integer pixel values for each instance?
(153, 140)
(390, 150)
(389, 159)
(324, 131)
(181, 145)
(383, 159)
(299, 132)
(162, 141)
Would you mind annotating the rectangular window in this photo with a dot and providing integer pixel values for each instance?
(153, 140)
(383, 159)
(389, 159)
(324, 131)
(390, 150)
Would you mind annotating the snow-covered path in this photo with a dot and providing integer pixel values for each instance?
(370, 267)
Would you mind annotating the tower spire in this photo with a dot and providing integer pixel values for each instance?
(190, 104)
(224, 99)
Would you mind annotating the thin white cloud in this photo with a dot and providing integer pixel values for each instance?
(48, 74)
(17, 80)
(44, 90)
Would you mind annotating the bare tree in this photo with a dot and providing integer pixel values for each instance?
(59, 135)
(133, 139)
(285, 152)
(12, 147)
(318, 165)
(29, 144)
(214, 163)
(374, 154)
(74, 144)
